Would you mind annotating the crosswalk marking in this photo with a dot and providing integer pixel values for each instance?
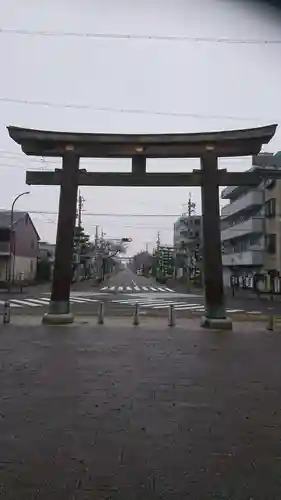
(25, 303)
(136, 288)
(41, 302)
(11, 304)
(153, 303)
(44, 301)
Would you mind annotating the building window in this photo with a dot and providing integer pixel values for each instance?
(197, 222)
(270, 243)
(270, 208)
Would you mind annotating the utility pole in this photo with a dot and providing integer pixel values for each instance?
(190, 206)
(158, 242)
(96, 236)
(79, 216)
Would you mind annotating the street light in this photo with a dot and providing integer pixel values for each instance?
(11, 273)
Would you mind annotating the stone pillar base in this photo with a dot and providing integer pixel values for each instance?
(216, 323)
(59, 314)
(57, 319)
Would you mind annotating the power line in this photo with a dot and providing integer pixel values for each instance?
(113, 215)
(134, 37)
(26, 102)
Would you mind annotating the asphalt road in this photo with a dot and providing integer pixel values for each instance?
(139, 413)
(124, 290)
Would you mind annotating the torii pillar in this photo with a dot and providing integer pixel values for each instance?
(206, 146)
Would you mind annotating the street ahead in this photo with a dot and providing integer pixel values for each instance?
(120, 294)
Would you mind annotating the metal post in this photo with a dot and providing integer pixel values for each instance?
(136, 316)
(11, 265)
(101, 313)
(171, 315)
(271, 317)
(7, 312)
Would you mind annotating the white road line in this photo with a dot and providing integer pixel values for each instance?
(137, 288)
(164, 305)
(11, 304)
(153, 289)
(105, 288)
(254, 312)
(169, 290)
(145, 288)
(162, 289)
(197, 307)
(112, 288)
(25, 303)
(134, 283)
(235, 310)
(129, 288)
(120, 288)
(79, 301)
(87, 299)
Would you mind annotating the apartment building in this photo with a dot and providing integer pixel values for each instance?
(187, 242)
(250, 225)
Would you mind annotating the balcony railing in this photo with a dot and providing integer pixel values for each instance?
(248, 258)
(249, 200)
(250, 226)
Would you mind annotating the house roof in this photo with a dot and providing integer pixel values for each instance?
(5, 219)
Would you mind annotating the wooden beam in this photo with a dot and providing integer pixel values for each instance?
(167, 179)
(223, 143)
(117, 179)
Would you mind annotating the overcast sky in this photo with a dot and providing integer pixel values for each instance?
(214, 85)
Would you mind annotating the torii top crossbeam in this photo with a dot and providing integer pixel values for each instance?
(225, 143)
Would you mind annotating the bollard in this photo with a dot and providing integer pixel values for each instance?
(101, 313)
(271, 317)
(171, 317)
(136, 316)
(6, 312)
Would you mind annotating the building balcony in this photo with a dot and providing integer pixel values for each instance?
(250, 226)
(249, 200)
(248, 258)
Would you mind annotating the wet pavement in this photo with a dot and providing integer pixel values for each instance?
(116, 412)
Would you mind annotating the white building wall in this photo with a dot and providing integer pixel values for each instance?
(25, 265)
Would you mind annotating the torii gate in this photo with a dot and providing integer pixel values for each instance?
(206, 146)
